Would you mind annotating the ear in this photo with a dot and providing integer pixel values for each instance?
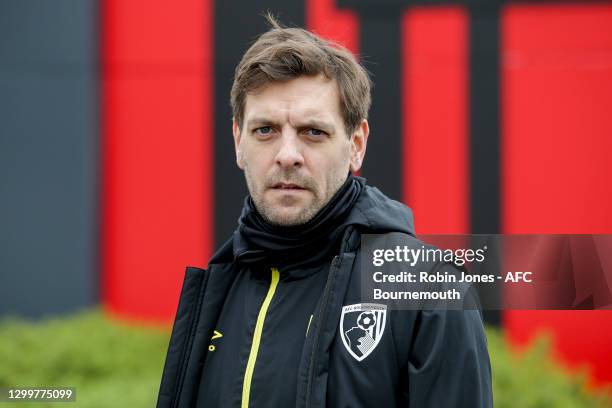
(237, 141)
(359, 141)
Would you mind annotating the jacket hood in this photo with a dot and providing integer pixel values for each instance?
(376, 213)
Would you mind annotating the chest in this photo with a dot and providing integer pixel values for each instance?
(254, 355)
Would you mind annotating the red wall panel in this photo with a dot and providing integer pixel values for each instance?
(556, 140)
(435, 118)
(340, 25)
(157, 139)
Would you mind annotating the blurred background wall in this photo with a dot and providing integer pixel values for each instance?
(49, 156)
(116, 158)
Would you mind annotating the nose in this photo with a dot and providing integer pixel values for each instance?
(289, 153)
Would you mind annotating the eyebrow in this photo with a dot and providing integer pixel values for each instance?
(318, 124)
(260, 121)
(306, 124)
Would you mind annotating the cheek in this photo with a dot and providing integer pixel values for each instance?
(343, 159)
(333, 165)
(258, 168)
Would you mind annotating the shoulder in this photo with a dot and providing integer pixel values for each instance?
(225, 253)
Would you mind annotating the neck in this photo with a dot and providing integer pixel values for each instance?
(290, 243)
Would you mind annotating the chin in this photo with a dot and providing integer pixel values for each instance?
(287, 219)
(287, 211)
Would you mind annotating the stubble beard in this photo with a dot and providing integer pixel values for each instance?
(272, 215)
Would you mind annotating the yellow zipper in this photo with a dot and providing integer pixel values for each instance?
(248, 375)
(308, 327)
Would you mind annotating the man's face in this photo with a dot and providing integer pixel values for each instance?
(294, 149)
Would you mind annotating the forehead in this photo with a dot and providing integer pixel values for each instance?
(315, 97)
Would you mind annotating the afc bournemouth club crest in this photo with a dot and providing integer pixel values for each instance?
(361, 327)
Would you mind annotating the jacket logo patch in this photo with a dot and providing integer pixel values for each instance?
(361, 328)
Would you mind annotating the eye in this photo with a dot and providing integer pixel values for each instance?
(265, 130)
(264, 133)
(315, 132)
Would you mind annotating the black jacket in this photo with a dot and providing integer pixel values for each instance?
(420, 358)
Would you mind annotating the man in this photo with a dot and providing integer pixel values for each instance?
(261, 326)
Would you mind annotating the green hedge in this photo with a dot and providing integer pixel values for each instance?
(116, 365)
(535, 380)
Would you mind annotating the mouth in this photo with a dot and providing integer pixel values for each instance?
(287, 186)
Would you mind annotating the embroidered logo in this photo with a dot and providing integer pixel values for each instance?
(361, 328)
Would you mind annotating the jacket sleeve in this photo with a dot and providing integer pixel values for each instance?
(448, 364)
(194, 282)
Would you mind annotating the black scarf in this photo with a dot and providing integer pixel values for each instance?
(257, 241)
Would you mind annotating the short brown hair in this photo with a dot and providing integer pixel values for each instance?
(285, 53)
